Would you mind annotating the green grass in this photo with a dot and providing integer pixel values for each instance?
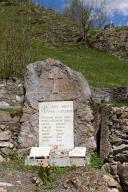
(50, 177)
(99, 68)
(95, 161)
(44, 29)
(13, 111)
(118, 104)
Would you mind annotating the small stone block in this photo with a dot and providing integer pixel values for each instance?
(60, 162)
(37, 162)
(77, 162)
(38, 152)
(77, 152)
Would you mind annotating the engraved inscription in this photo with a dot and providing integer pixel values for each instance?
(56, 124)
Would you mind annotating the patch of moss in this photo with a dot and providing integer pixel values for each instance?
(118, 104)
(13, 111)
(95, 161)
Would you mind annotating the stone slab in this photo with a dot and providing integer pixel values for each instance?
(78, 152)
(37, 152)
(58, 162)
(56, 125)
(57, 158)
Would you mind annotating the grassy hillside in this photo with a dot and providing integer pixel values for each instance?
(29, 33)
(101, 69)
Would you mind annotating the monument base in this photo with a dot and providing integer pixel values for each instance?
(59, 158)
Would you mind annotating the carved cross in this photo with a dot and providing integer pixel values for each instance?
(56, 76)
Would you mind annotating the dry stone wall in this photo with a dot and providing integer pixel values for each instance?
(114, 142)
(101, 95)
(11, 101)
(11, 93)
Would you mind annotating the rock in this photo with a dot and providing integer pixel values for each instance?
(100, 95)
(4, 184)
(123, 175)
(19, 99)
(1, 159)
(18, 182)
(5, 136)
(3, 190)
(6, 144)
(4, 104)
(119, 149)
(87, 181)
(113, 190)
(50, 80)
(4, 116)
(2, 127)
(112, 183)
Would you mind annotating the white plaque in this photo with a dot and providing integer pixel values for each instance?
(78, 152)
(56, 125)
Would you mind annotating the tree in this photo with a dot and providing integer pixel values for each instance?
(87, 13)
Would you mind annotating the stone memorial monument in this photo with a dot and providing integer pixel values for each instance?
(56, 111)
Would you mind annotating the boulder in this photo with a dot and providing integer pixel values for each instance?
(51, 80)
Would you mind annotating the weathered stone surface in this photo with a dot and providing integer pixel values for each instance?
(87, 181)
(5, 116)
(114, 138)
(123, 175)
(2, 189)
(112, 183)
(6, 144)
(5, 136)
(1, 159)
(50, 80)
(113, 190)
(119, 94)
(11, 92)
(114, 142)
(2, 127)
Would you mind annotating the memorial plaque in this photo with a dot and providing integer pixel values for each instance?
(56, 125)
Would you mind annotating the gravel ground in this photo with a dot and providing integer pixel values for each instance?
(15, 181)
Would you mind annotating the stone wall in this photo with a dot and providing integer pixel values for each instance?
(11, 92)
(100, 95)
(11, 101)
(114, 142)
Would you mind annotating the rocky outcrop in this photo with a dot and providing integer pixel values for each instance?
(50, 80)
(114, 40)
